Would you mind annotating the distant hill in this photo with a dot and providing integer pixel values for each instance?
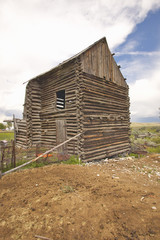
(153, 124)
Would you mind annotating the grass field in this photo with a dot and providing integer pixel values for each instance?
(8, 135)
(146, 127)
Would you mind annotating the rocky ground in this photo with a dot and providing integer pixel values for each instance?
(111, 200)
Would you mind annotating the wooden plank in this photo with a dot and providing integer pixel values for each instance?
(61, 134)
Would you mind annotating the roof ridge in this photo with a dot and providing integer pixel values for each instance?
(69, 59)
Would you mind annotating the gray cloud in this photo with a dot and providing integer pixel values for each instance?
(8, 113)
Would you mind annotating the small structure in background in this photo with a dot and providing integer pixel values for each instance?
(7, 154)
(3, 143)
(86, 94)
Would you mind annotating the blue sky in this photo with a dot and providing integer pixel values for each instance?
(146, 33)
(36, 35)
(145, 38)
(141, 50)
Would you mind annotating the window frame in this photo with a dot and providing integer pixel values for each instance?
(60, 99)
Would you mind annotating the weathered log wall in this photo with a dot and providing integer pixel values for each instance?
(41, 113)
(105, 118)
(21, 138)
(33, 109)
(96, 105)
(99, 62)
(63, 78)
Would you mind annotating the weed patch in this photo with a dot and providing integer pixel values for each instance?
(67, 189)
(73, 160)
(136, 155)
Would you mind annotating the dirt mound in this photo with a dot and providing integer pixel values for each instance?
(118, 199)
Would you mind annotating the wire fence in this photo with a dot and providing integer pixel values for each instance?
(12, 156)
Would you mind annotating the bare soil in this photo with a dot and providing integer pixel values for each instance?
(112, 200)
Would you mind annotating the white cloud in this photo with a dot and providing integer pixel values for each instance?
(145, 95)
(38, 34)
(143, 74)
(140, 53)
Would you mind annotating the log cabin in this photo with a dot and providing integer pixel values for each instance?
(85, 94)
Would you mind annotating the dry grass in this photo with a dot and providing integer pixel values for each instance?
(139, 125)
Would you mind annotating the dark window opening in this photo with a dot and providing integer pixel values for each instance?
(60, 100)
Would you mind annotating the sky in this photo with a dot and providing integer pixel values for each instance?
(37, 35)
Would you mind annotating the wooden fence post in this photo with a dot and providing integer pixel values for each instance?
(11, 153)
(13, 159)
(0, 157)
(3, 154)
(37, 150)
(15, 127)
